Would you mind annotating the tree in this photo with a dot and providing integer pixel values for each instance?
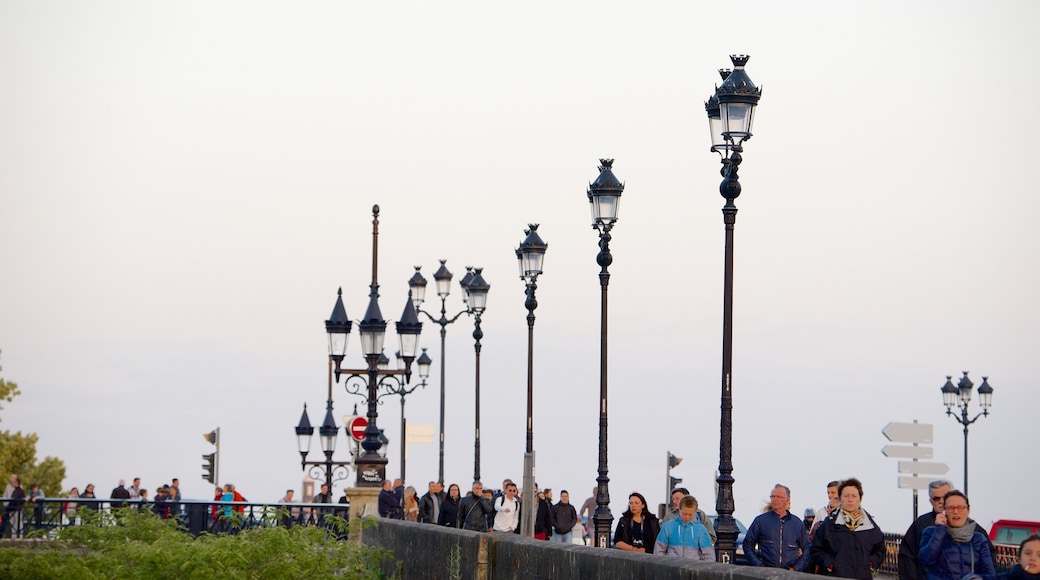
(18, 453)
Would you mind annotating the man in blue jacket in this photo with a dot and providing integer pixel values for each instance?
(777, 538)
(684, 536)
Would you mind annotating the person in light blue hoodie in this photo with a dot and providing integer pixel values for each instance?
(684, 536)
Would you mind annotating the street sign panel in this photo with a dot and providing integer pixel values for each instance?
(357, 428)
(908, 432)
(923, 467)
(908, 482)
(907, 452)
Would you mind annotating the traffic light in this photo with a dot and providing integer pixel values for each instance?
(209, 468)
(675, 481)
(673, 460)
(213, 436)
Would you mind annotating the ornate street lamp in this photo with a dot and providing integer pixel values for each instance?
(372, 382)
(530, 255)
(730, 113)
(604, 196)
(475, 291)
(442, 280)
(961, 396)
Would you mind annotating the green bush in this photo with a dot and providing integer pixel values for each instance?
(133, 544)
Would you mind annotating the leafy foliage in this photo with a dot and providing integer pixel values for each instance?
(18, 454)
(133, 544)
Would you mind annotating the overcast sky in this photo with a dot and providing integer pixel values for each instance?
(184, 186)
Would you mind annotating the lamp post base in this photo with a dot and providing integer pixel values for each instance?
(364, 501)
(529, 503)
(371, 472)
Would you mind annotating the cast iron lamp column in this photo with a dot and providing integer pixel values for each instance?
(961, 396)
(530, 255)
(604, 196)
(402, 389)
(730, 111)
(417, 284)
(370, 464)
(475, 291)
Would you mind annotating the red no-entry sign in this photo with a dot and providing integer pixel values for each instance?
(357, 428)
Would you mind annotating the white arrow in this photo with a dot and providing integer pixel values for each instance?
(923, 467)
(907, 452)
(908, 432)
(907, 482)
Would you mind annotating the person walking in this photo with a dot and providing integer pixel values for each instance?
(684, 536)
(849, 542)
(952, 548)
(637, 529)
(474, 510)
(563, 517)
(449, 510)
(777, 538)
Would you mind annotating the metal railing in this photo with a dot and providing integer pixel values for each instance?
(45, 517)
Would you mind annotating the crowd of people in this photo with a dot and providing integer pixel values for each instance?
(840, 539)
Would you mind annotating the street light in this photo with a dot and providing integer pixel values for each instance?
(417, 285)
(961, 396)
(530, 255)
(368, 382)
(730, 113)
(402, 389)
(604, 196)
(475, 290)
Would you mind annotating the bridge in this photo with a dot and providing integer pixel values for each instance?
(428, 551)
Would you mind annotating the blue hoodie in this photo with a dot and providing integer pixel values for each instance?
(685, 540)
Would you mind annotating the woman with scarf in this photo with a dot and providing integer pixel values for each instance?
(848, 544)
(953, 548)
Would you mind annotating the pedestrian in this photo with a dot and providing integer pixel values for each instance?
(827, 509)
(1028, 566)
(849, 542)
(777, 538)
(35, 497)
(390, 499)
(677, 495)
(637, 529)
(910, 568)
(411, 505)
(119, 493)
(563, 516)
(474, 510)
(69, 507)
(449, 511)
(953, 548)
(13, 509)
(684, 536)
(507, 509)
(430, 504)
(542, 521)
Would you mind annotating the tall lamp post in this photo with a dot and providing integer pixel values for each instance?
(475, 290)
(604, 196)
(961, 396)
(730, 111)
(369, 381)
(530, 255)
(417, 284)
(403, 389)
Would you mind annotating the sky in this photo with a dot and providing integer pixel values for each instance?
(183, 188)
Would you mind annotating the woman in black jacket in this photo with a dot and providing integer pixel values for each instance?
(638, 528)
(848, 544)
(449, 514)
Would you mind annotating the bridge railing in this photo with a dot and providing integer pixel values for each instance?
(44, 517)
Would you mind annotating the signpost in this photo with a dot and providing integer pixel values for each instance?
(916, 434)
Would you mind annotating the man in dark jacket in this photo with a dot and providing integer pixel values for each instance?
(390, 500)
(777, 538)
(474, 510)
(563, 518)
(120, 493)
(430, 504)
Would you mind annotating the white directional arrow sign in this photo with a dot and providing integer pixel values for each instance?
(907, 452)
(908, 433)
(907, 482)
(923, 468)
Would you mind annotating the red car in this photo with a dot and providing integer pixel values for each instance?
(1012, 532)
